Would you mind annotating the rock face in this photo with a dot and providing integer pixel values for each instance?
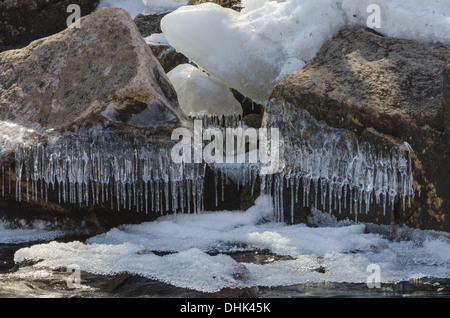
(168, 57)
(26, 20)
(82, 74)
(149, 24)
(446, 102)
(385, 91)
(87, 107)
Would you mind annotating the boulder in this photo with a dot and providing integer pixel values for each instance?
(384, 91)
(168, 57)
(86, 75)
(85, 113)
(26, 20)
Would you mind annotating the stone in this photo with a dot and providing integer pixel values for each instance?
(97, 88)
(149, 24)
(86, 74)
(168, 57)
(385, 91)
(26, 20)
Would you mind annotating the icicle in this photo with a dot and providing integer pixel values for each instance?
(216, 186)
(223, 186)
(3, 181)
(293, 193)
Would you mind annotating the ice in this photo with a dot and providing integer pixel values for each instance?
(162, 6)
(251, 50)
(87, 169)
(343, 249)
(156, 39)
(21, 232)
(146, 7)
(330, 167)
(134, 7)
(200, 93)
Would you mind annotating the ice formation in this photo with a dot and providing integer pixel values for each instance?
(200, 93)
(124, 173)
(251, 50)
(334, 171)
(343, 250)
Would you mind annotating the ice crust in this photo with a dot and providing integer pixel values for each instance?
(343, 249)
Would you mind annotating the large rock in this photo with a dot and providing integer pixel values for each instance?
(23, 21)
(85, 74)
(85, 113)
(385, 91)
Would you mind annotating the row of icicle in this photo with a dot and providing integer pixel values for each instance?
(325, 167)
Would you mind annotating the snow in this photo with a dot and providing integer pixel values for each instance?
(134, 7)
(22, 232)
(162, 6)
(251, 50)
(146, 7)
(201, 93)
(343, 249)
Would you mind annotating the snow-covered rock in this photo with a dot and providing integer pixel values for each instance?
(251, 50)
(201, 93)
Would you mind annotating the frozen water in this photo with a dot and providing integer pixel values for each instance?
(23, 232)
(134, 7)
(251, 50)
(122, 171)
(328, 166)
(343, 249)
(162, 6)
(200, 93)
(147, 7)
(156, 39)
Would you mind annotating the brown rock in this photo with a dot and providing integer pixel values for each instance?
(168, 57)
(88, 73)
(102, 92)
(26, 20)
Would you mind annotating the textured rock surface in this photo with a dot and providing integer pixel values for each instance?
(99, 81)
(23, 21)
(149, 24)
(386, 91)
(168, 57)
(80, 74)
